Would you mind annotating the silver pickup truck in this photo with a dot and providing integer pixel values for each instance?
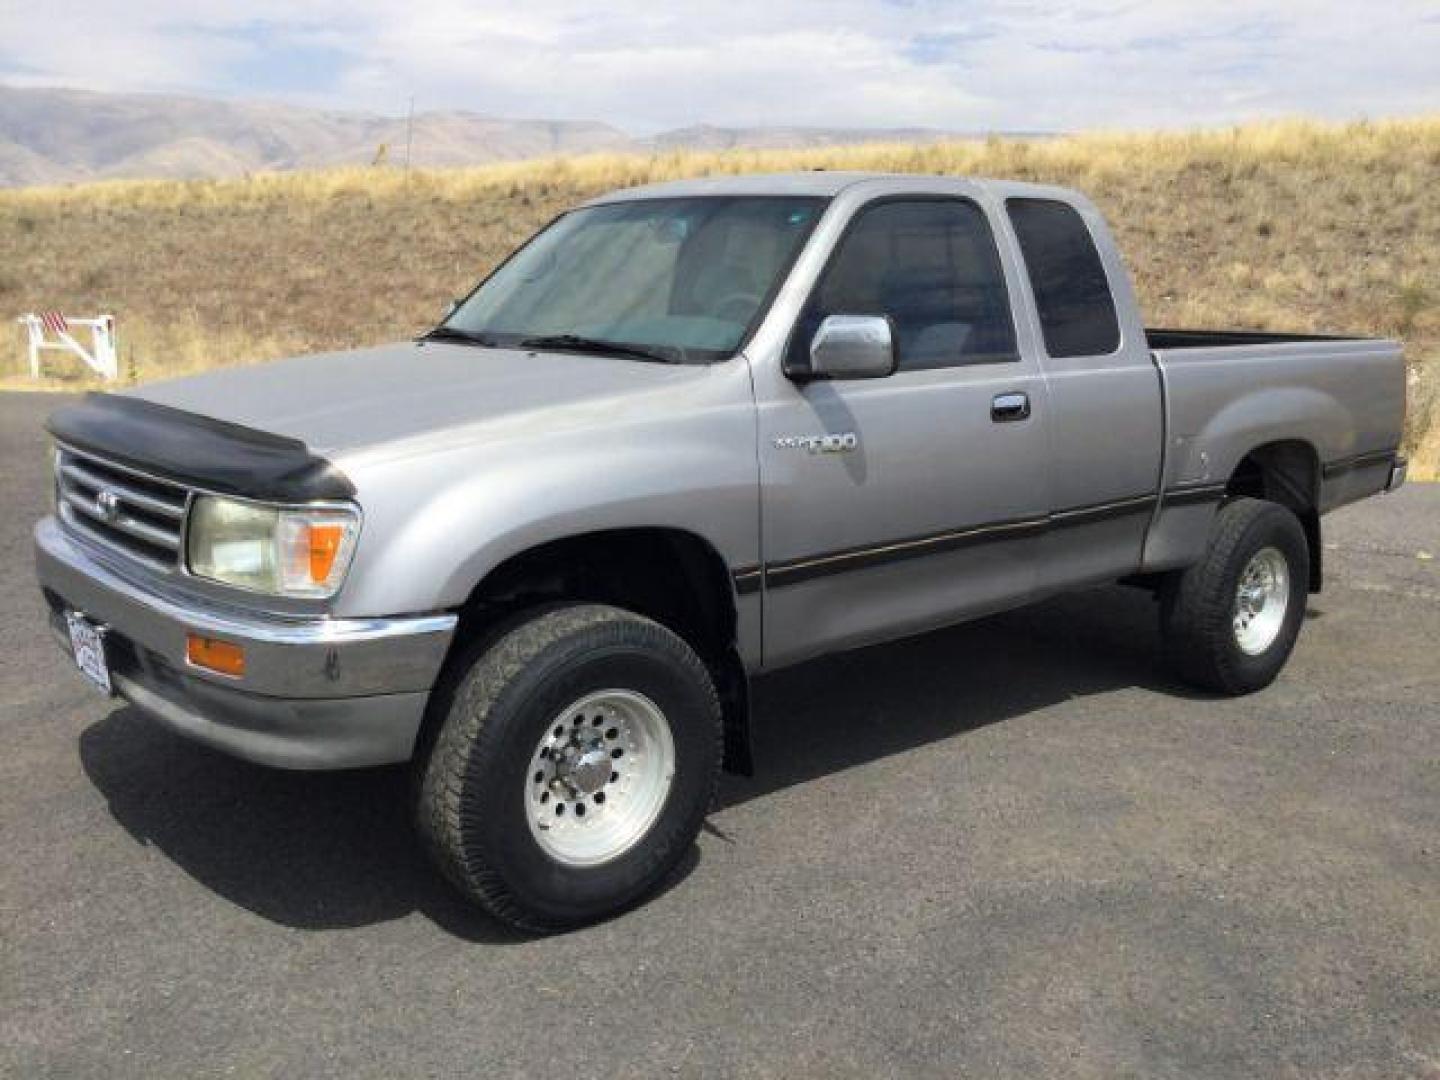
(686, 434)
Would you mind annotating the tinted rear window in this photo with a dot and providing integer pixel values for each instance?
(1077, 312)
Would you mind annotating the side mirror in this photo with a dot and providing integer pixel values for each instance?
(853, 347)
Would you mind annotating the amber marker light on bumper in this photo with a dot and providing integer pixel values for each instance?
(212, 654)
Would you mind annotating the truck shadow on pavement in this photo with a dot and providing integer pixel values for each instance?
(335, 850)
(312, 851)
(844, 710)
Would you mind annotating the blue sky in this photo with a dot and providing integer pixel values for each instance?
(650, 64)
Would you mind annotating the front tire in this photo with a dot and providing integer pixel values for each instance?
(1230, 621)
(575, 766)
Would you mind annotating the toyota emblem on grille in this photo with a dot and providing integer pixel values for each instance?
(108, 503)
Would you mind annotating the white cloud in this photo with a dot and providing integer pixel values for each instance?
(646, 65)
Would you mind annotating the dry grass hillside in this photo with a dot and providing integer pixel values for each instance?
(1285, 226)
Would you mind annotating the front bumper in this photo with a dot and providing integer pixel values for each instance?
(317, 693)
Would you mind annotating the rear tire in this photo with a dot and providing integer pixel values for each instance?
(1230, 621)
(575, 766)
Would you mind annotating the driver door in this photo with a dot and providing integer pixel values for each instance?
(928, 505)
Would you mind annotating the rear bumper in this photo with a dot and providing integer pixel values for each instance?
(317, 693)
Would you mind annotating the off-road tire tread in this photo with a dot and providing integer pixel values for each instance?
(1196, 612)
(465, 740)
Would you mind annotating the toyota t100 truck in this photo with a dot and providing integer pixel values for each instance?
(686, 434)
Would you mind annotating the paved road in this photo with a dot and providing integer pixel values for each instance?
(1011, 848)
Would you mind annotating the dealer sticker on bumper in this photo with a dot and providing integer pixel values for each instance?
(87, 640)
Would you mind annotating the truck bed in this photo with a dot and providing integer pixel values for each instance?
(1227, 393)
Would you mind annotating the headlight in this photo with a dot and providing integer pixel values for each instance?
(303, 551)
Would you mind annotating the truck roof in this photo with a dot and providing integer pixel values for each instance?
(824, 183)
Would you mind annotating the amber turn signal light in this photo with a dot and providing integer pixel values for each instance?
(214, 655)
(325, 541)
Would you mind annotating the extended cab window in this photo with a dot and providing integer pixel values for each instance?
(932, 267)
(1077, 312)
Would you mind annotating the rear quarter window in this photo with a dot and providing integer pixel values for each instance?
(1072, 295)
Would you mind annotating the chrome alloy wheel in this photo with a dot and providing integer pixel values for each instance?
(1262, 598)
(599, 778)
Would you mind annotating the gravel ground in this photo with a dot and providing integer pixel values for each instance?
(1012, 848)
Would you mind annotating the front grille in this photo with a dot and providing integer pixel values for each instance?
(139, 515)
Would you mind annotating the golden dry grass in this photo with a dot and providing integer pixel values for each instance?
(1288, 226)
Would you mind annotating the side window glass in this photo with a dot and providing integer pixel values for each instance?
(932, 267)
(1077, 312)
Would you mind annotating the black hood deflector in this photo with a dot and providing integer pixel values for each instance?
(198, 450)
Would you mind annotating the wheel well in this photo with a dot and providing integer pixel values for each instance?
(669, 575)
(1287, 473)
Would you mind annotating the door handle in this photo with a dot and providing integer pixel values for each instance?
(1007, 408)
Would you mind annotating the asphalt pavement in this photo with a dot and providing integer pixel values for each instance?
(1014, 848)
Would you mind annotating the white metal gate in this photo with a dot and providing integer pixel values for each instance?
(51, 330)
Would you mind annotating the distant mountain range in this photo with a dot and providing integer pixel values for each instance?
(56, 136)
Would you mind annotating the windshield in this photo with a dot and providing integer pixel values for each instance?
(679, 279)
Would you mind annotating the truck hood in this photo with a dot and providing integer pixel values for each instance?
(364, 399)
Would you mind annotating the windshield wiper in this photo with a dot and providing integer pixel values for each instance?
(454, 333)
(577, 343)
